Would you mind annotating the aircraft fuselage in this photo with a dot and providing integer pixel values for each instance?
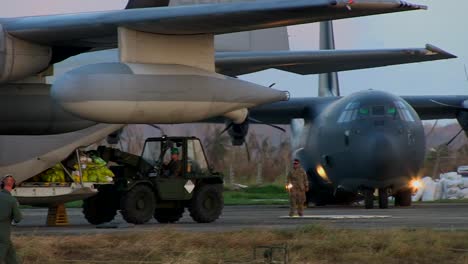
(370, 139)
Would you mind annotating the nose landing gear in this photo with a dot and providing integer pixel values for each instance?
(369, 198)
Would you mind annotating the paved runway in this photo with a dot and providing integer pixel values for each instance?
(436, 216)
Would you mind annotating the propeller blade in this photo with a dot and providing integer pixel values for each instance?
(247, 150)
(271, 85)
(263, 123)
(227, 128)
(451, 106)
(451, 140)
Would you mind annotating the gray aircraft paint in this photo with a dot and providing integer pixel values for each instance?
(30, 155)
(99, 29)
(28, 109)
(114, 93)
(328, 82)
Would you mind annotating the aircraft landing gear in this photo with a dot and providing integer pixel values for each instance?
(383, 198)
(403, 198)
(368, 198)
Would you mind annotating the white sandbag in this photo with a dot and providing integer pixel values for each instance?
(418, 195)
(438, 190)
(429, 191)
(463, 194)
(452, 191)
(450, 176)
(454, 183)
(465, 182)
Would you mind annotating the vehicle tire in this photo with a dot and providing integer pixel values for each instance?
(99, 209)
(403, 197)
(138, 205)
(383, 198)
(369, 198)
(207, 203)
(168, 215)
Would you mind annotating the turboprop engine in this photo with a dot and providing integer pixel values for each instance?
(20, 59)
(124, 93)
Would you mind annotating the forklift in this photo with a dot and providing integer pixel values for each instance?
(143, 187)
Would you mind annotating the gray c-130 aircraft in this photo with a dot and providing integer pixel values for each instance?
(355, 144)
(168, 71)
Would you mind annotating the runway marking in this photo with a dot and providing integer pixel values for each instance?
(335, 217)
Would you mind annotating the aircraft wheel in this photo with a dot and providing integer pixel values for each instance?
(207, 203)
(138, 205)
(403, 198)
(168, 215)
(383, 198)
(99, 209)
(369, 198)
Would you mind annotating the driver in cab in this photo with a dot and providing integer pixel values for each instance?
(174, 167)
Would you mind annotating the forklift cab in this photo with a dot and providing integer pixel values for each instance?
(157, 153)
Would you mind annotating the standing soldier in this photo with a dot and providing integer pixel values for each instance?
(9, 211)
(298, 185)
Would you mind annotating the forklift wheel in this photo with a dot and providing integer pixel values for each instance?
(168, 215)
(98, 209)
(138, 205)
(207, 203)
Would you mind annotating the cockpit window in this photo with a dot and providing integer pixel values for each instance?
(404, 112)
(364, 111)
(350, 113)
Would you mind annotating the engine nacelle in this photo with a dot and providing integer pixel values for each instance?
(20, 59)
(127, 93)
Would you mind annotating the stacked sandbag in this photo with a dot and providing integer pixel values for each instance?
(454, 186)
(94, 169)
(55, 174)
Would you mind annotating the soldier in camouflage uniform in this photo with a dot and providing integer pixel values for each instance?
(298, 185)
(9, 211)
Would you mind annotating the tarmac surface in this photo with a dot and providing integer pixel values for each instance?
(446, 216)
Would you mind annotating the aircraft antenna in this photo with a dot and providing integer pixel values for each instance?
(328, 82)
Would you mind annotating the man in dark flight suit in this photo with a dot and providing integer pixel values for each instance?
(9, 211)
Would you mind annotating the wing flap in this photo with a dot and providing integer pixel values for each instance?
(323, 61)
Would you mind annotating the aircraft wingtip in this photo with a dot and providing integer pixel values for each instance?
(412, 6)
(440, 51)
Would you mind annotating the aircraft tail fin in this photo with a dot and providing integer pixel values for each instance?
(328, 82)
(132, 4)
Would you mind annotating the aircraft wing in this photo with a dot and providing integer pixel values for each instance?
(429, 107)
(322, 61)
(99, 29)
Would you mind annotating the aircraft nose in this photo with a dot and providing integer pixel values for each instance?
(383, 155)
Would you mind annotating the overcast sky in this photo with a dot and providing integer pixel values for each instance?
(443, 25)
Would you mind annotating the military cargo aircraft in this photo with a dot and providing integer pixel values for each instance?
(353, 145)
(169, 71)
